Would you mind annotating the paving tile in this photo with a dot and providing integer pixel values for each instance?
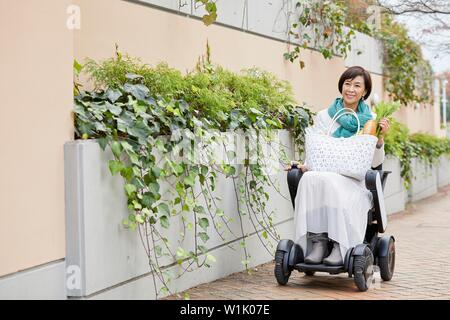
(422, 268)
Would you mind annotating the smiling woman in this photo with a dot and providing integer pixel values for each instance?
(330, 206)
(355, 84)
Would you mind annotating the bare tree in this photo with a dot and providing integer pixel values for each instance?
(433, 31)
(416, 6)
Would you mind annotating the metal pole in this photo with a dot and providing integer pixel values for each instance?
(444, 103)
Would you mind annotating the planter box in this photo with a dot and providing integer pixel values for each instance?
(424, 180)
(443, 171)
(395, 194)
(111, 260)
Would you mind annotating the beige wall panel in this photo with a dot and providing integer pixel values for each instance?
(155, 36)
(36, 100)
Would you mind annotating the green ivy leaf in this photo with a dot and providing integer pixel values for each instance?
(153, 187)
(115, 166)
(103, 142)
(204, 236)
(164, 290)
(116, 148)
(140, 219)
(140, 130)
(209, 19)
(229, 170)
(134, 158)
(148, 200)
(220, 213)
(199, 209)
(130, 189)
(160, 146)
(180, 189)
(139, 108)
(189, 180)
(203, 223)
(113, 95)
(138, 91)
(156, 172)
(127, 147)
(146, 212)
(163, 208)
(164, 220)
(77, 66)
(255, 111)
(137, 205)
(134, 77)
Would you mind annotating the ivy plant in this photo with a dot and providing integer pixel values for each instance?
(144, 114)
(320, 25)
(211, 9)
(426, 147)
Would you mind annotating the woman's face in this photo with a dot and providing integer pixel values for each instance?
(353, 90)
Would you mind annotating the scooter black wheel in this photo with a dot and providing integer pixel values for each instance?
(282, 273)
(387, 264)
(363, 270)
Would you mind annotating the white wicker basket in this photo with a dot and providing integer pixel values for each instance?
(350, 157)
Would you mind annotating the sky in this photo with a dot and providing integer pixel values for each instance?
(440, 61)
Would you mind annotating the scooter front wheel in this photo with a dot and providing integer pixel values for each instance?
(282, 272)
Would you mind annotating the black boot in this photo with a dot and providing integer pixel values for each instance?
(335, 258)
(319, 248)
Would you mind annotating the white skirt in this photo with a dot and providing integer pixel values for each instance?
(332, 203)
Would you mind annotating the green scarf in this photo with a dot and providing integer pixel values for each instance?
(349, 125)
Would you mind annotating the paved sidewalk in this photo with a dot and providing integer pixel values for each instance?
(422, 269)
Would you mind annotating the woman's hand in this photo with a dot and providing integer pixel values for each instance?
(384, 127)
(298, 164)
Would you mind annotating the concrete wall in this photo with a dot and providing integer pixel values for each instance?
(394, 192)
(443, 171)
(424, 180)
(35, 121)
(109, 255)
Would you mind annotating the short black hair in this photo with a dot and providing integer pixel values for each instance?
(351, 73)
